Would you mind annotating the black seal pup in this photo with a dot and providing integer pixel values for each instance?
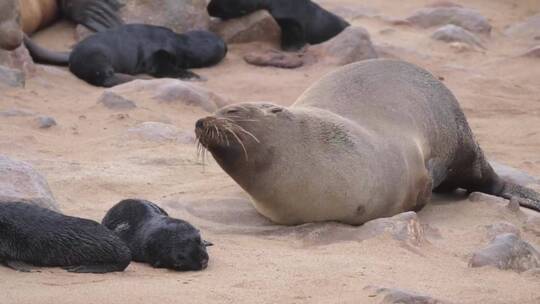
(41, 237)
(156, 238)
(112, 57)
(301, 21)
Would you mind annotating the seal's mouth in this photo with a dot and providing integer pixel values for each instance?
(219, 132)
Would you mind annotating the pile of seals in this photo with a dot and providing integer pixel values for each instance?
(132, 229)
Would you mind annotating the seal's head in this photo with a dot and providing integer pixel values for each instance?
(244, 138)
(228, 9)
(11, 34)
(178, 246)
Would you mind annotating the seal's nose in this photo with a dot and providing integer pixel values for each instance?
(199, 124)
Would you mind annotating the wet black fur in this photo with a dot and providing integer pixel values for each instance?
(41, 237)
(301, 21)
(156, 238)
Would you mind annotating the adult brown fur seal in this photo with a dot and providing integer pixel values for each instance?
(369, 140)
(27, 16)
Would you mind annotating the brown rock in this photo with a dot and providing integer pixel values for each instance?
(20, 182)
(399, 296)
(351, 45)
(178, 15)
(275, 58)
(257, 26)
(507, 252)
(463, 17)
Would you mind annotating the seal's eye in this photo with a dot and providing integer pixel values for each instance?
(276, 110)
(232, 111)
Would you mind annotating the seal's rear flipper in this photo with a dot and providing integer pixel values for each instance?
(95, 268)
(42, 55)
(526, 197)
(20, 266)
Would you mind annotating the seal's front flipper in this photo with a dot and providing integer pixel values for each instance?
(20, 266)
(94, 268)
(292, 35)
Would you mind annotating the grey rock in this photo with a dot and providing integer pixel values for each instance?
(533, 52)
(507, 252)
(529, 29)
(454, 33)
(275, 58)
(45, 122)
(20, 182)
(114, 101)
(532, 225)
(160, 132)
(436, 16)
(404, 227)
(171, 91)
(496, 229)
(178, 15)
(351, 45)
(11, 77)
(18, 59)
(400, 296)
(257, 26)
(15, 113)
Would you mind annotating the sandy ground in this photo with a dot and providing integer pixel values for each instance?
(91, 164)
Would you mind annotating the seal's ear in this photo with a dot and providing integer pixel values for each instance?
(207, 243)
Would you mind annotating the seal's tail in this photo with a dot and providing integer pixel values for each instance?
(526, 197)
(42, 55)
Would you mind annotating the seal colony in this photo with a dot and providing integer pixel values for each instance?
(115, 56)
(351, 150)
(40, 237)
(155, 238)
(301, 21)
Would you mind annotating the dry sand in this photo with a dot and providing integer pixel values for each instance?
(91, 164)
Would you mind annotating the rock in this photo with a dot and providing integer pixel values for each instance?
(454, 33)
(533, 52)
(20, 182)
(19, 59)
(404, 227)
(532, 225)
(11, 77)
(399, 296)
(496, 229)
(436, 16)
(11, 35)
(514, 175)
(178, 15)
(257, 26)
(507, 252)
(171, 91)
(160, 133)
(45, 122)
(15, 113)
(275, 58)
(529, 29)
(460, 47)
(351, 45)
(114, 101)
